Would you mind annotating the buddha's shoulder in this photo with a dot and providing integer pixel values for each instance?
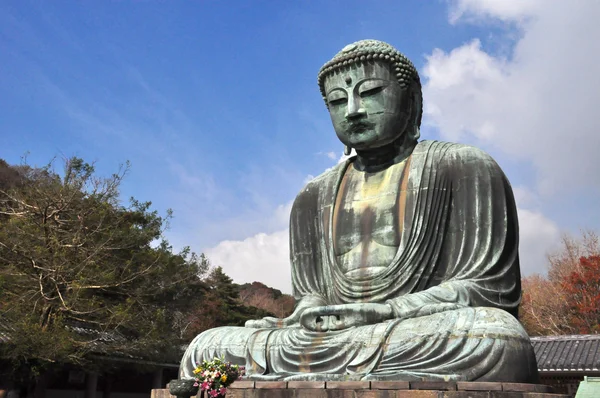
(326, 180)
(441, 154)
(453, 154)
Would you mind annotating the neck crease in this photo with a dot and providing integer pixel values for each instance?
(377, 159)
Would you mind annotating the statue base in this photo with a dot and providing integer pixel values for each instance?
(380, 389)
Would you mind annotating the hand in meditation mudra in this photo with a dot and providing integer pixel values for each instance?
(404, 258)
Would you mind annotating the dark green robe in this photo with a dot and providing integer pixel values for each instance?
(454, 284)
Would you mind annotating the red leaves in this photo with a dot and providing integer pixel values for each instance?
(582, 287)
(567, 301)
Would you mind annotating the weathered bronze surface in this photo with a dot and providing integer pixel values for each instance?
(404, 258)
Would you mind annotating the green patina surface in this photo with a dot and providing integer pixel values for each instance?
(404, 258)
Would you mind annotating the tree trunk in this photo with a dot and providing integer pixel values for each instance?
(91, 384)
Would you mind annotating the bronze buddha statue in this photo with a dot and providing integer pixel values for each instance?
(404, 258)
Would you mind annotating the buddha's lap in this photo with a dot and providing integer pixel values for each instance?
(467, 325)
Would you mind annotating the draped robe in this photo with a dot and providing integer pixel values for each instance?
(454, 285)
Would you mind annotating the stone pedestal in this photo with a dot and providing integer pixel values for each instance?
(380, 389)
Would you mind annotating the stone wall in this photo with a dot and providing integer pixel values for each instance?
(381, 389)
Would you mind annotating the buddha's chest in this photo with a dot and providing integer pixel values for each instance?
(365, 230)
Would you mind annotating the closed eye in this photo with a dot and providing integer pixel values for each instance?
(338, 101)
(371, 91)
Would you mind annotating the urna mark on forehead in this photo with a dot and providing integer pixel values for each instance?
(356, 73)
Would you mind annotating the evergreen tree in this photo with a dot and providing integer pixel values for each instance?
(83, 275)
(222, 305)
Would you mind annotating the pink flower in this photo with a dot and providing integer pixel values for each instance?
(213, 393)
(205, 386)
(222, 391)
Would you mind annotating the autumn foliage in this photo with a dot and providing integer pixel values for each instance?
(567, 301)
(271, 300)
(582, 288)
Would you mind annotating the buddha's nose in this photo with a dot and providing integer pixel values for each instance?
(354, 110)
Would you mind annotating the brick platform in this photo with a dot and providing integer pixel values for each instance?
(380, 389)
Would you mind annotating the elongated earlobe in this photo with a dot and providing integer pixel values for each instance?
(347, 150)
(416, 109)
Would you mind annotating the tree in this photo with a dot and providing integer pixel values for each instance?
(271, 300)
(582, 288)
(543, 308)
(566, 301)
(222, 305)
(82, 274)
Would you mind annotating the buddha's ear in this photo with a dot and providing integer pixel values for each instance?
(416, 111)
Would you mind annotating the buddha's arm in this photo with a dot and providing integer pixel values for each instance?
(478, 264)
(304, 254)
(313, 314)
(305, 303)
(444, 297)
(447, 296)
(344, 316)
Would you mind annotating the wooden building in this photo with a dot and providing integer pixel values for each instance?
(563, 361)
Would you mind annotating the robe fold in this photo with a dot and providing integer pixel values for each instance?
(454, 284)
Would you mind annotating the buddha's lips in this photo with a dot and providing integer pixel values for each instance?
(359, 127)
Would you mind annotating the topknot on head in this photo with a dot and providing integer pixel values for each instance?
(370, 50)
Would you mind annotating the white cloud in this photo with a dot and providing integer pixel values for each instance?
(262, 220)
(505, 10)
(262, 257)
(525, 197)
(538, 235)
(539, 105)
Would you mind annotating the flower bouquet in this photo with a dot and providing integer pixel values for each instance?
(215, 376)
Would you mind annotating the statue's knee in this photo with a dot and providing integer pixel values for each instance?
(211, 337)
(477, 322)
(496, 322)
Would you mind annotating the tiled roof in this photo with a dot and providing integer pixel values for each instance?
(110, 345)
(97, 337)
(572, 353)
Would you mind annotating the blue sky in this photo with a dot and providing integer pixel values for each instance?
(217, 108)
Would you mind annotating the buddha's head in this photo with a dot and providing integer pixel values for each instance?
(373, 94)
